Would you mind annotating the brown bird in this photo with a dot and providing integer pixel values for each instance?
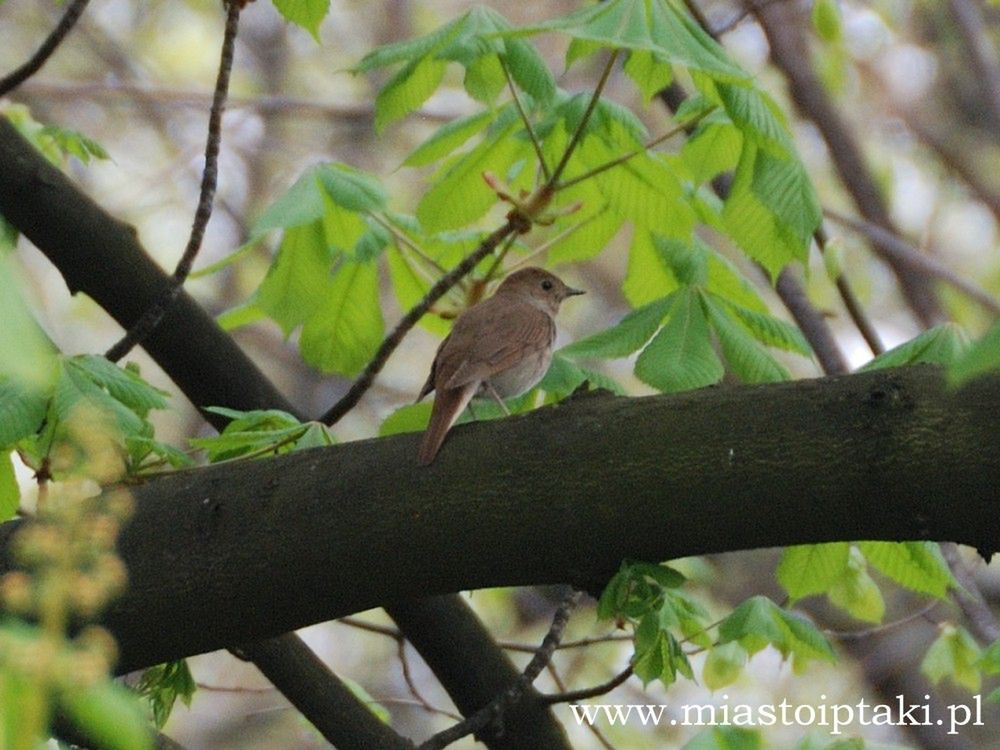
(500, 347)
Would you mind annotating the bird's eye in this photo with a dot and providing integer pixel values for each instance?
(546, 285)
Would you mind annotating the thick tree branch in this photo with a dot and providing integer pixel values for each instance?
(101, 257)
(153, 314)
(880, 455)
(333, 709)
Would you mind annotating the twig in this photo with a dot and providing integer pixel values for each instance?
(402, 239)
(895, 249)
(953, 159)
(591, 692)
(154, 314)
(18, 76)
(622, 159)
(389, 344)
(536, 144)
(412, 685)
(782, 24)
(578, 133)
(592, 727)
(982, 622)
(265, 104)
(863, 635)
(851, 301)
(494, 711)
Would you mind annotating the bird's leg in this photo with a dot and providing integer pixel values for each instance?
(496, 396)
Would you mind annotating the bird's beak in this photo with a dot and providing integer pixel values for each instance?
(571, 292)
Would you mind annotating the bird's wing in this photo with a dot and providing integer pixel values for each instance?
(491, 337)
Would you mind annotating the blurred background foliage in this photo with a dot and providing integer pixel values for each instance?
(136, 77)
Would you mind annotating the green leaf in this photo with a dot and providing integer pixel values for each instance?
(28, 356)
(591, 235)
(73, 143)
(10, 493)
(305, 13)
(714, 148)
(680, 356)
(989, 660)
(232, 444)
(22, 410)
(410, 287)
(628, 335)
(447, 139)
(772, 229)
(748, 361)
(826, 20)
(643, 190)
(459, 196)
(351, 188)
(856, 593)
(756, 115)
(648, 276)
(473, 41)
(658, 655)
(162, 685)
(241, 315)
(407, 90)
(941, 345)
(124, 384)
(301, 204)
(109, 715)
(758, 622)
(529, 71)
(982, 357)
(649, 74)
(656, 26)
(409, 418)
(347, 327)
(954, 655)
(723, 665)
(564, 377)
(298, 280)
(809, 569)
(770, 330)
(917, 566)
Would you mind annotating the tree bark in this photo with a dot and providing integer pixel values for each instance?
(242, 551)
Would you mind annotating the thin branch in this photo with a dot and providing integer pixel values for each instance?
(953, 159)
(209, 179)
(622, 159)
(14, 79)
(389, 344)
(811, 322)
(591, 692)
(782, 25)
(535, 143)
(494, 711)
(862, 635)
(895, 249)
(402, 239)
(265, 104)
(851, 301)
(982, 622)
(591, 727)
(412, 685)
(971, 26)
(578, 133)
(558, 238)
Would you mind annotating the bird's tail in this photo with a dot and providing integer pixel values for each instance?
(448, 405)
